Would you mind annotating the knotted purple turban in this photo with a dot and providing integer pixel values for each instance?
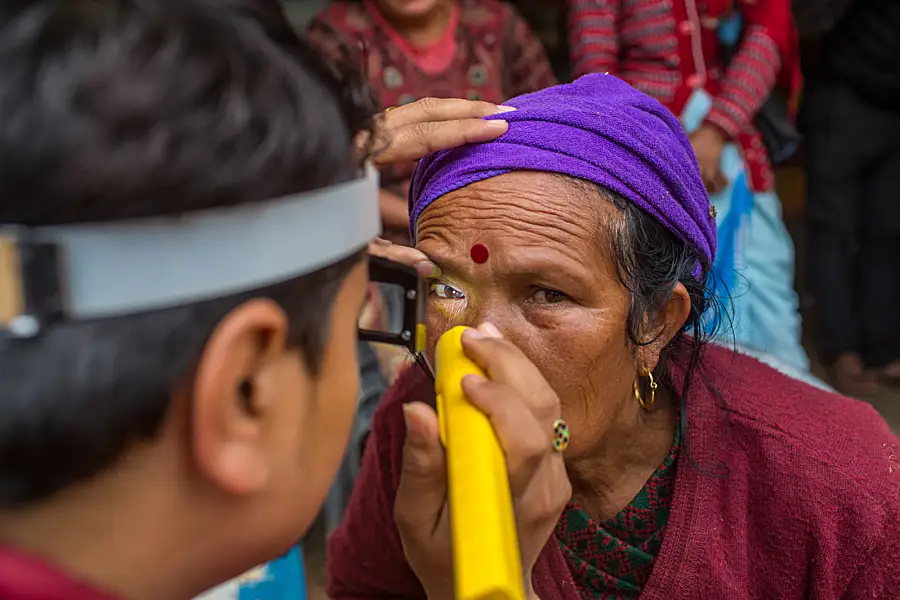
(599, 129)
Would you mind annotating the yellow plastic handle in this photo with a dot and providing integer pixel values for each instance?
(486, 563)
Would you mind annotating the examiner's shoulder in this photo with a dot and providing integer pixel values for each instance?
(804, 429)
(411, 385)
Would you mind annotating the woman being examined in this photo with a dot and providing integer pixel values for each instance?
(580, 245)
(412, 49)
(714, 63)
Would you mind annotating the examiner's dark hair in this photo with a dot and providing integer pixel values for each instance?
(115, 109)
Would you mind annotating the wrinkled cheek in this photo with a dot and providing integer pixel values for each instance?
(594, 385)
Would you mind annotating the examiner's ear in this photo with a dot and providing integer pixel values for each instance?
(234, 397)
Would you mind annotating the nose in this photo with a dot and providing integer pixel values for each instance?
(497, 313)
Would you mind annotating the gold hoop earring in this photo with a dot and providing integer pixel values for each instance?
(646, 404)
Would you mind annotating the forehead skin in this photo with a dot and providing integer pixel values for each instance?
(542, 232)
(528, 221)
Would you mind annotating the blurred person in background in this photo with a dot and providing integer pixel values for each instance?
(852, 119)
(413, 49)
(715, 63)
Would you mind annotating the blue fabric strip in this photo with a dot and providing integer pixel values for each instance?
(284, 580)
(730, 229)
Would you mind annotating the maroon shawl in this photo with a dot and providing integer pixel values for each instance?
(783, 491)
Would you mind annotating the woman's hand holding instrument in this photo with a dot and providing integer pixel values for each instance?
(483, 537)
(522, 408)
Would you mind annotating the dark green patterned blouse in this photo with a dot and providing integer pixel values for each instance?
(613, 559)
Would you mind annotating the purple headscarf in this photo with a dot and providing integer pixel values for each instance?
(599, 129)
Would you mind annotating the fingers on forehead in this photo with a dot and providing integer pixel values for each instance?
(404, 255)
(435, 136)
(474, 131)
(408, 143)
(455, 108)
(433, 109)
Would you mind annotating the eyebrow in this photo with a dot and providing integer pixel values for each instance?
(550, 275)
(541, 269)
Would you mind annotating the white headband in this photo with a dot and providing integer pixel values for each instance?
(125, 267)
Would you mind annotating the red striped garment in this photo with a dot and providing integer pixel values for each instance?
(669, 48)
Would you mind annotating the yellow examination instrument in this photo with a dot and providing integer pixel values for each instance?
(486, 564)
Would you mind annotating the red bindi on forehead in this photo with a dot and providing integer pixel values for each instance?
(479, 254)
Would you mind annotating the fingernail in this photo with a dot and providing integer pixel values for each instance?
(427, 269)
(495, 124)
(473, 379)
(407, 417)
(473, 333)
(488, 330)
(505, 109)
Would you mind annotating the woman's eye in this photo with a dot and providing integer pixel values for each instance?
(444, 291)
(545, 296)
